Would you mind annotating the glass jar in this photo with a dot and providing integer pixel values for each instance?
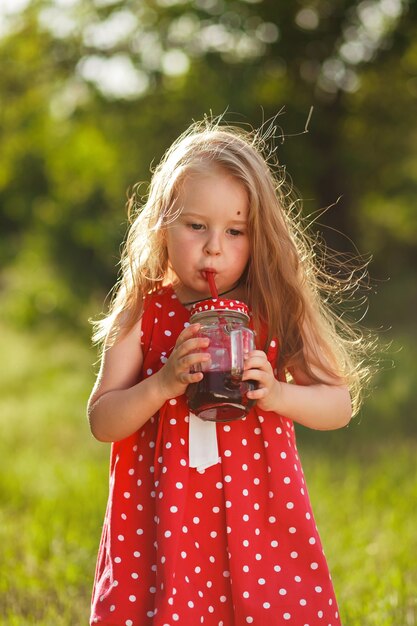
(221, 396)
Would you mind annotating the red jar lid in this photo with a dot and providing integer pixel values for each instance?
(220, 304)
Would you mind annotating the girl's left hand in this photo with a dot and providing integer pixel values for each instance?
(258, 368)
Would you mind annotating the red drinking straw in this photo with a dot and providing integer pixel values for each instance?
(212, 284)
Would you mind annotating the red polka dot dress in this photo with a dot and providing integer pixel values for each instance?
(230, 545)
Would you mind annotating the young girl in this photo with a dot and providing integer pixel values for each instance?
(231, 541)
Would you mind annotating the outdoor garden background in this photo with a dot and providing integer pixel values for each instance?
(91, 93)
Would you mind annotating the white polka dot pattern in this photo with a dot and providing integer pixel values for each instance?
(233, 544)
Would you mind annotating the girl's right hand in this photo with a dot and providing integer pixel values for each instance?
(175, 375)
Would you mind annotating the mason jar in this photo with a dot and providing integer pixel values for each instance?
(221, 395)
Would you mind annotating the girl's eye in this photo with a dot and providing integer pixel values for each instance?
(234, 232)
(196, 226)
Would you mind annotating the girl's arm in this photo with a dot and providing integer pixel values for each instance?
(120, 402)
(322, 406)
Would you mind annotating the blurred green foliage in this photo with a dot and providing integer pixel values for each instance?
(93, 92)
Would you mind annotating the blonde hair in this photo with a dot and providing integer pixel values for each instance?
(288, 286)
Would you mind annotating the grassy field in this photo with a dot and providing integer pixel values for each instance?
(53, 487)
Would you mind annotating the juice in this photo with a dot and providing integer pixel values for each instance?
(220, 397)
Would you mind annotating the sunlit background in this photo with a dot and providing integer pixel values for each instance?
(91, 94)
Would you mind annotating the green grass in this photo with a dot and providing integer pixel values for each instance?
(365, 504)
(53, 488)
(52, 482)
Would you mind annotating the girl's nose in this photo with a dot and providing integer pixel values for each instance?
(212, 246)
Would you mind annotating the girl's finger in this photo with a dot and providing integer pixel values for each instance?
(188, 332)
(257, 362)
(255, 374)
(257, 394)
(193, 358)
(256, 353)
(192, 345)
(187, 378)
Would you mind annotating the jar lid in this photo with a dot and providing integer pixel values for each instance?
(220, 304)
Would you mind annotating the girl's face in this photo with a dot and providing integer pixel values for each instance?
(210, 233)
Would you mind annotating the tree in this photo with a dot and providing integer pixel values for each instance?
(94, 91)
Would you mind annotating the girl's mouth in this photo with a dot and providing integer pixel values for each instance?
(206, 272)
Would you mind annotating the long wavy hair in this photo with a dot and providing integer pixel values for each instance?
(290, 286)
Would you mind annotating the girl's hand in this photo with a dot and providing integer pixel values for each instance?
(175, 375)
(258, 368)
